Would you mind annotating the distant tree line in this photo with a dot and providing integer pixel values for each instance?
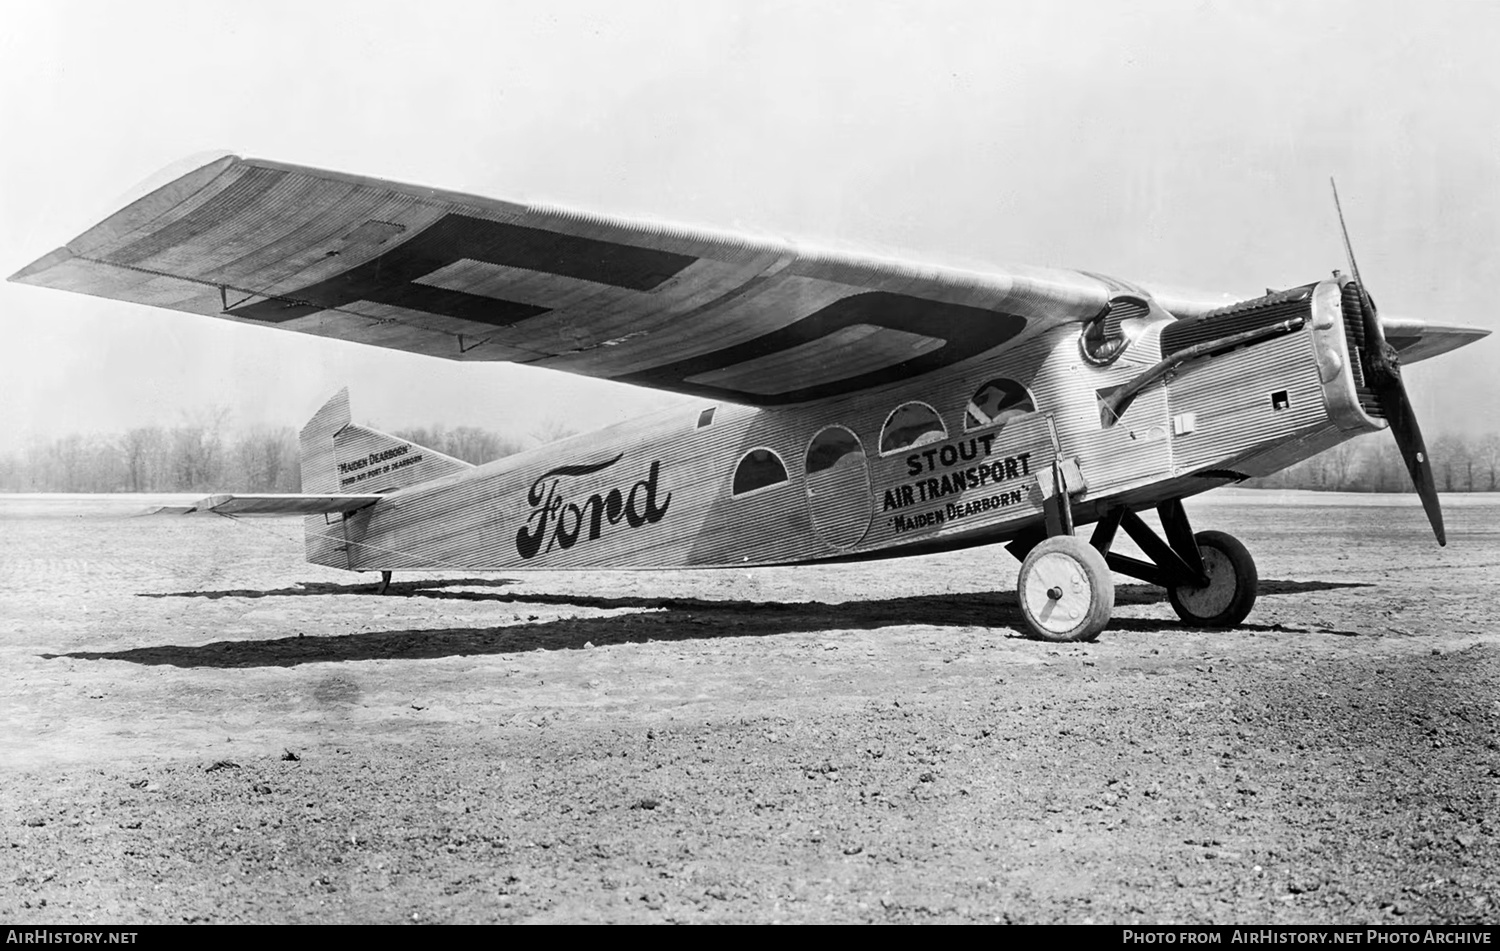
(198, 455)
(202, 455)
(1372, 463)
(469, 443)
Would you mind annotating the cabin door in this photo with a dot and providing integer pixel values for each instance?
(838, 487)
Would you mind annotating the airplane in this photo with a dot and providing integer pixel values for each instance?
(852, 407)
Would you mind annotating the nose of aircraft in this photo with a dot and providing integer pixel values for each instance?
(1381, 361)
(1382, 369)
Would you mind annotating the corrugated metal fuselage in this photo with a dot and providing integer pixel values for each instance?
(664, 491)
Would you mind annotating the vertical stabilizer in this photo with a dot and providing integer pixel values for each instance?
(319, 466)
(323, 535)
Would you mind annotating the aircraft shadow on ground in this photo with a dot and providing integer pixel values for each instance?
(428, 588)
(652, 619)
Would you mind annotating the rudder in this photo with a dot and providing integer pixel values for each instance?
(319, 468)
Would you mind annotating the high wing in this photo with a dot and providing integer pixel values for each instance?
(270, 504)
(690, 310)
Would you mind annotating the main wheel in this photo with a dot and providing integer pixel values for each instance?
(1232, 583)
(1066, 590)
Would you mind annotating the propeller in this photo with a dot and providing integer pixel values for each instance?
(1382, 370)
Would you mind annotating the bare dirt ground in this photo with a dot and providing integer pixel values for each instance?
(196, 726)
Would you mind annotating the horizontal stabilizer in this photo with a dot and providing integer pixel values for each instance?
(285, 504)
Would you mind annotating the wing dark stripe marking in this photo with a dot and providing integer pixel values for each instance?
(968, 332)
(389, 278)
(566, 255)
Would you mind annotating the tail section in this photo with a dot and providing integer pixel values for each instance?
(319, 468)
(369, 460)
(340, 457)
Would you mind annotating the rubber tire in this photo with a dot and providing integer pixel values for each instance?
(1220, 550)
(1091, 590)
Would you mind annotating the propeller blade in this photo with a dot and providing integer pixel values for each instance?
(1383, 374)
(1398, 412)
(1373, 330)
(1348, 245)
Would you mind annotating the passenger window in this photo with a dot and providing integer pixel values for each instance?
(830, 446)
(912, 424)
(997, 403)
(759, 469)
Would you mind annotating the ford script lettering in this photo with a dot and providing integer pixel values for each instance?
(557, 521)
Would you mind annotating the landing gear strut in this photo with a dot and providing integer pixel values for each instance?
(1066, 591)
(1209, 576)
(1065, 588)
(385, 582)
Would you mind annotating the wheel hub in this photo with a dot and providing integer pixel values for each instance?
(1216, 596)
(1057, 592)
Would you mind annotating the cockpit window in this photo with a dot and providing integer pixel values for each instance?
(912, 424)
(997, 403)
(758, 469)
(1108, 335)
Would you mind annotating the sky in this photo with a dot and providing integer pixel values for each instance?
(1187, 143)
